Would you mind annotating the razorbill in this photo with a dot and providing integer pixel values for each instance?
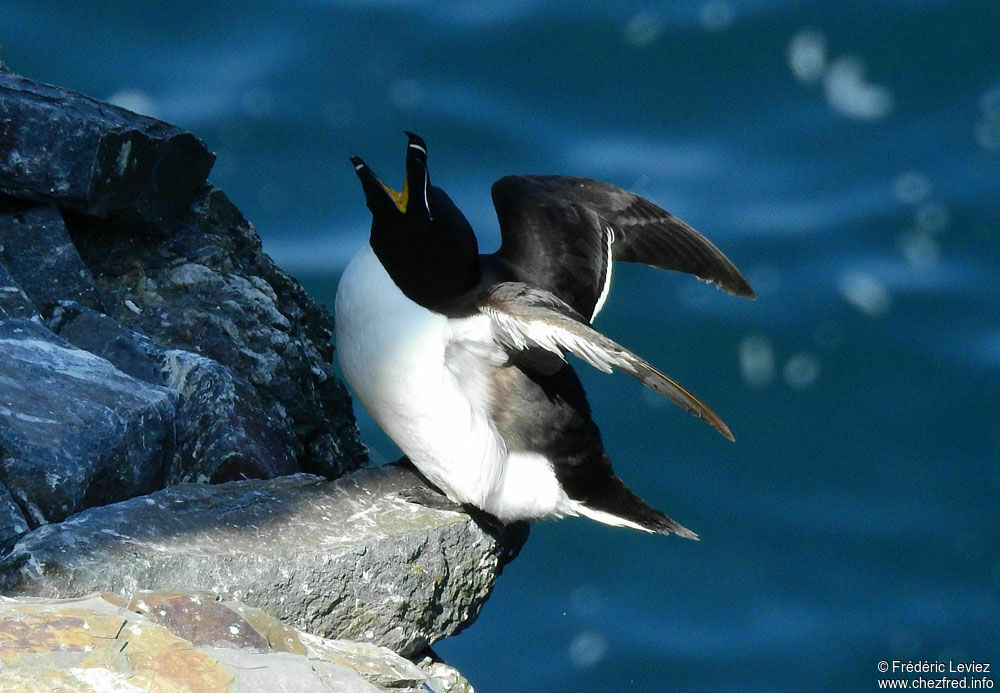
(460, 357)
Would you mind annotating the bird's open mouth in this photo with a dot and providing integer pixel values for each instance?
(400, 198)
(368, 181)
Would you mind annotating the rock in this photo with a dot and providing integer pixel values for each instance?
(441, 677)
(41, 257)
(208, 289)
(146, 340)
(14, 303)
(12, 520)
(223, 432)
(129, 229)
(379, 668)
(96, 643)
(74, 430)
(103, 336)
(199, 618)
(63, 148)
(346, 559)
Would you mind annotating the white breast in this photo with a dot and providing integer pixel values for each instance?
(394, 354)
(425, 381)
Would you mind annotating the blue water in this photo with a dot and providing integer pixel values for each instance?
(845, 155)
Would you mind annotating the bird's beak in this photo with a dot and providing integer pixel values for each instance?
(378, 194)
(417, 178)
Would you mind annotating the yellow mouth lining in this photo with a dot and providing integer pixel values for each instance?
(400, 198)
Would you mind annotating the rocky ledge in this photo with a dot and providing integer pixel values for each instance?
(190, 641)
(170, 420)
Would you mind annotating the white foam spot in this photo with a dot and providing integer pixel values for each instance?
(801, 371)
(756, 360)
(643, 28)
(849, 94)
(807, 55)
(134, 100)
(865, 292)
(587, 649)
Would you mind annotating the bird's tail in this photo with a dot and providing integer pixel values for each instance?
(619, 507)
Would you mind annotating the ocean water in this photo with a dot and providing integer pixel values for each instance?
(846, 156)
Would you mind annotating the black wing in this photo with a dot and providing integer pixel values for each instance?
(559, 232)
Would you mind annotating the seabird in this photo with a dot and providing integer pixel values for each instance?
(460, 356)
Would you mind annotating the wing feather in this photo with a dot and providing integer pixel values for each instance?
(554, 230)
(525, 318)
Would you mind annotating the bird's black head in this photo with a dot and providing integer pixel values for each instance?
(422, 239)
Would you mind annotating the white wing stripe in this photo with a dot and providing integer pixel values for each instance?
(609, 238)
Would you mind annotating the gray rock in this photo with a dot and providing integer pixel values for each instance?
(103, 336)
(207, 288)
(380, 665)
(346, 559)
(138, 236)
(12, 520)
(223, 432)
(75, 431)
(41, 257)
(283, 671)
(14, 303)
(64, 148)
(182, 353)
(442, 678)
(98, 643)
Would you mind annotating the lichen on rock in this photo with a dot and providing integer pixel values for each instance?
(96, 643)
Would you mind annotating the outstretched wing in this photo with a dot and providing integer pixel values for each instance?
(562, 233)
(526, 318)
